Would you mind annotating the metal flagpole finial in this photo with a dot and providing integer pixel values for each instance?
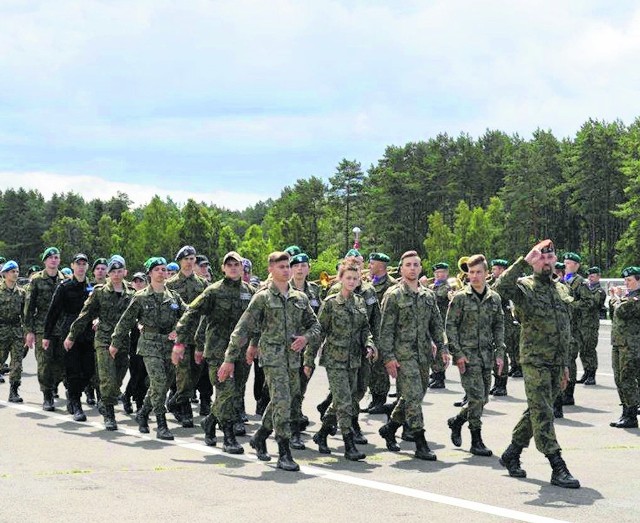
(356, 233)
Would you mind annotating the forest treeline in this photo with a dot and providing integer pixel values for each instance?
(445, 197)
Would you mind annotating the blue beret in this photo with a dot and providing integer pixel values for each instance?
(66, 271)
(173, 266)
(9, 266)
(187, 250)
(572, 256)
(154, 262)
(299, 258)
(379, 256)
(50, 251)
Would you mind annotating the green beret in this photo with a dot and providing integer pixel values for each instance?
(99, 261)
(299, 258)
(293, 250)
(2, 259)
(499, 262)
(572, 256)
(594, 270)
(559, 265)
(154, 262)
(32, 269)
(440, 266)
(631, 271)
(50, 251)
(353, 252)
(379, 256)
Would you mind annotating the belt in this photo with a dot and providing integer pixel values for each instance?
(153, 330)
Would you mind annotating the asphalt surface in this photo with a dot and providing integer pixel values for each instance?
(54, 468)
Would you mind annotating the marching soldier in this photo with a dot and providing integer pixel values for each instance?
(588, 352)
(443, 292)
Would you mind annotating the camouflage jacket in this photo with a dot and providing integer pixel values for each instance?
(593, 313)
(157, 313)
(543, 308)
(410, 323)
(475, 329)
(382, 285)
(11, 311)
(442, 296)
(368, 294)
(220, 307)
(345, 328)
(625, 325)
(278, 318)
(188, 287)
(39, 296)
(313, 292)
(583, 302)
(107, 305)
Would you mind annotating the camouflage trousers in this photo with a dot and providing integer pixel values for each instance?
(476, 382)
(437, 365)
(541, 386)
(15, 347)
(412, 383)
(379, 383)
(241, 374)
(284, 389)
(111, 373)
(364, 378)
(588, 352)
(342, 384)
(512, 343)
(576, 344)
(626, 374)
(50, 364)
(161, 374)
(224, 406)
(187, 375)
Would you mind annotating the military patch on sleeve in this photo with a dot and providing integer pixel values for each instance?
(245, 296)
(371, 300)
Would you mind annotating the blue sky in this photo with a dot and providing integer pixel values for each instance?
(229, 101)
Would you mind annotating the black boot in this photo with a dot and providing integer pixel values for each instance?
(591, 378)
(615, 423)
(261, 405)
(557, 407)
(14, 397)
(243, 413)
(455, 424)
(377, 404)
(358, 437)
(438, 381)
(259, 443)
(492, 390)
(47, 404)
(629, 419)
(142, 417)
(296, 441)
(230, 445)
(126, 404)
(187, 415)
(239, 428)
(174, 408)
(110, 418)
(322, 407)
(407, 435)
(91, 395)
(350, 450)
(501, 388)
(1, 378)
(388, 432)
(208, 424)
(477, 445)
(517, 372)
(462, 402)
(422, 448)
(205, 407)
(304, 423)
(567, 395)
(561, 477)
(510, 460)
(163, 432)
(387, 409)
(70, 405)
(320, 438)
(584, 377)
(285, 461)
(78, 413)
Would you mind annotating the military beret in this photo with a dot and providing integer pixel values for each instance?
(299, 258)
(559, 265)
(154, 262)
(99, 261)
(115, 262)
(594, 270)
(293, 250)
(201, 259)
(440, 266)
(173, 266)
(545, 246)
(50, 251)
(187, 250)
(9, 266)
(247, 266)
(79, 257)
(379, 256)
(2, 259)
(66, 271)
(232, 255)
(139, 276)
(572, 256)
(499, 262)
(32, 269)
(631, 271)
(353, 252)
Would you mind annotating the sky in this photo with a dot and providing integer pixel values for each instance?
(228, 102)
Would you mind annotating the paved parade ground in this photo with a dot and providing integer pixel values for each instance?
(54, 468)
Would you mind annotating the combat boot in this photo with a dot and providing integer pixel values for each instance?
(205, 406)
(463, 401)
(629, 419)
(351, 452)
(142, 417)
(591, 378)
(510, 460)
(320, 438)
(296, 441)
(557, 407)
(455, 424)
(492, 390)
(70, 405)
(110, 418)
(259, 443)
(91, 395)
(584, 377)
(285, 460)
(422, 448)
(14, 397)
(377, 404)
(229, 443)
(239, 428)
(187, 415)
(126, 404)
(261, 405)
(388, 409)
(501, 387)
(477, 445)
(208, 424)
(78, 413)
(406, 433)
(323, 406)
(162, 431)
(560, 475)
(388, 433)
(174, 408)
(47, 404)
(567, 395)
(438, 381)
(243, 413)
(304, 423)
(517, 372)
(1, 378)
(358, 437)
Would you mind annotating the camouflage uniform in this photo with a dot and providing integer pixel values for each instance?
(583, 301)
(511, 334)
(411, 322)
(345, 327)
(157, 313)
(545, 342)
(380, 383)
(11, 328)
(51, 361)
(625, 341)
(107, 305)
(442, 291)
(588, 352)
(277, 317)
